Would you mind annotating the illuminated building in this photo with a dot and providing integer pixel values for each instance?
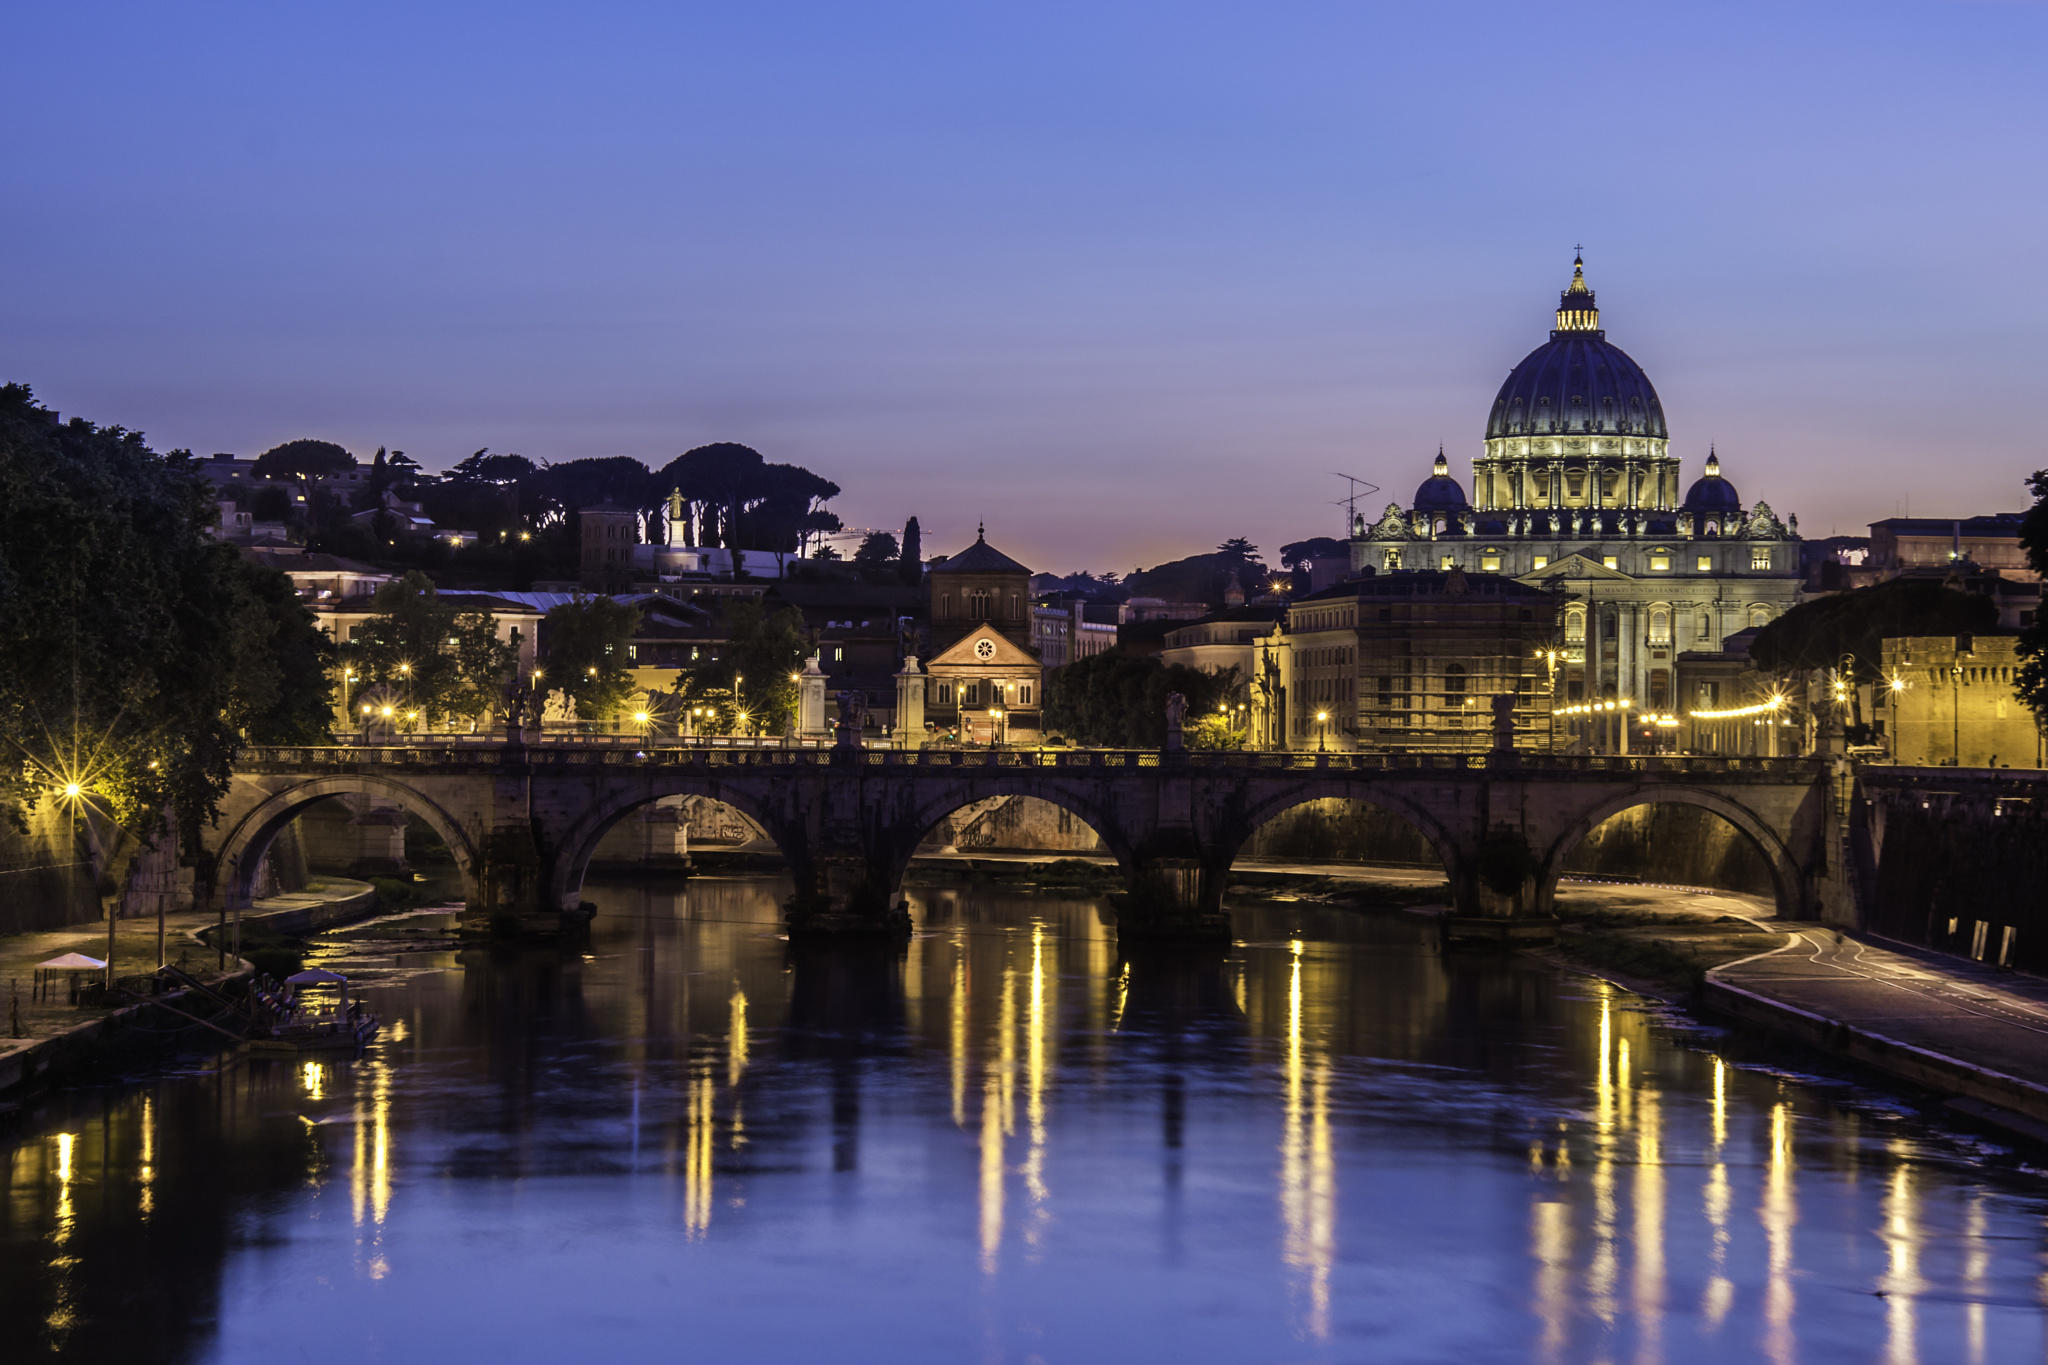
(1576, 492)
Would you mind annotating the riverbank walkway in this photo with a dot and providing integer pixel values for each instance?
(1944, 1022)
(135, 954)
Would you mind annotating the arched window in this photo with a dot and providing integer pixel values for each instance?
(1759, 614)
(1660, 625)
(1575, 625)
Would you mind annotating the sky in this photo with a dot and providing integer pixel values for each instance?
(1120, 280)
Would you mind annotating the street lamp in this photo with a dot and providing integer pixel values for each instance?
(1322, 731)
(1955, 714)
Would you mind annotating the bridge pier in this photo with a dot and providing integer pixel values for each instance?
(846, 894)
(1173, 899)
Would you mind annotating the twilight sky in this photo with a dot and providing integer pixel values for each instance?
(1123, 280)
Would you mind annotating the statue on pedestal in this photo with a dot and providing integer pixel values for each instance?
(1176, 717)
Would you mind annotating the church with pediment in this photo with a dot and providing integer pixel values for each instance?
(984, 684)
(1576, 491)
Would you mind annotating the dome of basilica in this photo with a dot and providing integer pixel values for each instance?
(1578, 383)
(1712, 495)
(1440, 492)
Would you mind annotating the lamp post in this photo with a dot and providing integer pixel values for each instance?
(1322, 731)
(1955, 714)
(1549, 657)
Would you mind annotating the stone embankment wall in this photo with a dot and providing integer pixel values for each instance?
(1962, 867)
(1684, 845)
(47, 880)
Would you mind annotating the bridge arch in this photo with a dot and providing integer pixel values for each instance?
(1786, 879)
(241, 852)
(926, 811)
(579, 841)
(1272, 804)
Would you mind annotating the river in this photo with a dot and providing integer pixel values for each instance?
(1008, 1144)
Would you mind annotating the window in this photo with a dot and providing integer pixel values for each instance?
(1705, 564)
(1759, 615)
(1542, 561)
(1386, 689)
(1454, 684)
(1489, 560)
(1660, 626)
(1023, 694)
(945, 694)
(1660, 562)
(1609, 562)
(1759, 556)
(1575, 625)
(1610, 627)
(1450, 561)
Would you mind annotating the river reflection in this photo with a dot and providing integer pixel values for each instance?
(1010, 1142)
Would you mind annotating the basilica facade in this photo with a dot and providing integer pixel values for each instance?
(1576, 492)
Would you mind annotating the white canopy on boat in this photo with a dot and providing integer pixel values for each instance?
(316, 976)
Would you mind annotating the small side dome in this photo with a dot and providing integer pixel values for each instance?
(1710, 494)
(1440, 492)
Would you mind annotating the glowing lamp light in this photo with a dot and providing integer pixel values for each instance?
(387, 711)
(640, 717)
(72, 790)
(366, 708)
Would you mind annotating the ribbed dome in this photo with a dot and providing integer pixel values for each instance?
(1440, 492)
(1578, 383)
(1712, 495)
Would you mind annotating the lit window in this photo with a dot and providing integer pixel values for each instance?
(1660, 563)
(1609, 562)
(1705, 564)
(1760, 557)
(1542, 561)
(1489, 560)
(1450, 562)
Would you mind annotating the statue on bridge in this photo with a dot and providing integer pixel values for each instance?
(1176, 718)
(853, 717)
(1503, 722)
(518, 701)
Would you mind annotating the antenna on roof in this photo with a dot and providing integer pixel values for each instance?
(1349, 502)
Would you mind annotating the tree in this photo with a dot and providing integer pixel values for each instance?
(748, 689)
(875, 560)
(484, 467)
(734, 498)
(271, 502)
(282, 662)
(1818, 634)
(303, 459)
(910, 561)
(1118, 700)
(2032, 683)
(584, 647)
(435, 660)
(1301, 554)
(132, 659)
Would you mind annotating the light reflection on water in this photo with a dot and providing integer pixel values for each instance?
(1010, 1142)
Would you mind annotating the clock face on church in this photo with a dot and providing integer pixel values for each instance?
(984, 649)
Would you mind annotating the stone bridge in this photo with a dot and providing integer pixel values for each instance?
(523, 820)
